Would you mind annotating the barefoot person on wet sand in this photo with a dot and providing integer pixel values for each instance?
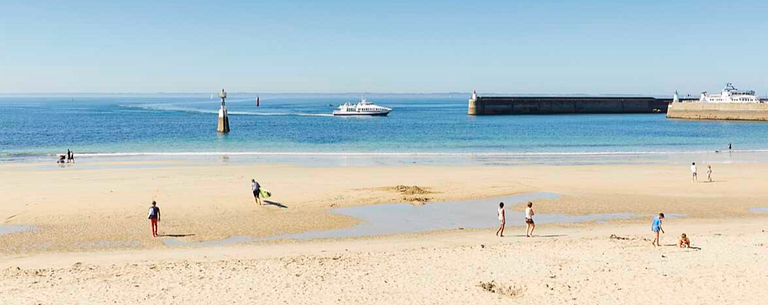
(529, 224)
(502, 220)
(256, 188)
(694, 177)
(656, 228)
(154, 217)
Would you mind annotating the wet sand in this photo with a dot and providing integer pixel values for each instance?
(76, 209)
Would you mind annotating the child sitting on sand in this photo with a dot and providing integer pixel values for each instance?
(684, 242)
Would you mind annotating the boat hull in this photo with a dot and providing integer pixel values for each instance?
(360, 114)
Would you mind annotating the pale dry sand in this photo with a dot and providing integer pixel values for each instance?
(564, 265)
(96, 215)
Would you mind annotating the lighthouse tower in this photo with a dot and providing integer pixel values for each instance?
(472, 109)
(223, 126)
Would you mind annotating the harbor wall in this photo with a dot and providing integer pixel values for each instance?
(565, 105)
(714, 111)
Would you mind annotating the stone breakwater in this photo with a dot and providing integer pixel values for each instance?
(498, 105)
(713, 111)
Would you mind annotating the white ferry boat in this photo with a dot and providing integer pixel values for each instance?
(364, 107)
(730, 95)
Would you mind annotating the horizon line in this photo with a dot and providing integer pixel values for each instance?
(469, 93)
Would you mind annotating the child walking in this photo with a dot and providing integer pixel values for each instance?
(529, 224)
(656, 228)
(502, 220)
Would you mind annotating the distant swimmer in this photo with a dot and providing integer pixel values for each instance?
(694, 177)
(502, 220)
(154, 217)
(529, 224)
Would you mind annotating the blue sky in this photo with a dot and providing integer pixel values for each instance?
(559, 47)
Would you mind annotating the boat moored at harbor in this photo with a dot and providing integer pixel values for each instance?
(730, 104)
(363, 108)
(730, 95)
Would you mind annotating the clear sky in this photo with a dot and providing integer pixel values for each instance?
(559, 47)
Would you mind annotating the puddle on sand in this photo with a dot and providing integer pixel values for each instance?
(384, 219)
(110, 244)
(232, 240)
(759, 210)
(13, 229)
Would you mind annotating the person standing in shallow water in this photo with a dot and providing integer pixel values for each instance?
(529, 224)
(154, 217)
(256, 188)
(502, 220)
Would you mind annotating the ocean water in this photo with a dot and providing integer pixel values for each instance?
(431, 126)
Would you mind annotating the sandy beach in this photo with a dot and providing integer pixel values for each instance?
(91, 242)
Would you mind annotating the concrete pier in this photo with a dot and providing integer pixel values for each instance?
(223, 125)
(501, 105)
(719, 111)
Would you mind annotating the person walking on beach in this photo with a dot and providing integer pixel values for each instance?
(256, 188)
(154, 217)
(529, 224)
(694, 177)
(502, 220)
(656, 228)
(709, 173)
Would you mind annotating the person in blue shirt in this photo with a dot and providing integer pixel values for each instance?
(656, 228)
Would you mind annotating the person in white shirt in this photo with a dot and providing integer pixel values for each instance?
(529, 224)
(256, 188)
(502, 220)
(694, 178)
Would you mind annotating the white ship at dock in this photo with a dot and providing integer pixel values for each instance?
(729, 104)
(729, 95)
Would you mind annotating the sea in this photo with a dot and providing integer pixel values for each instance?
(423, 129)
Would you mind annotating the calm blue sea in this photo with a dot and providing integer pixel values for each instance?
(40, 127)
